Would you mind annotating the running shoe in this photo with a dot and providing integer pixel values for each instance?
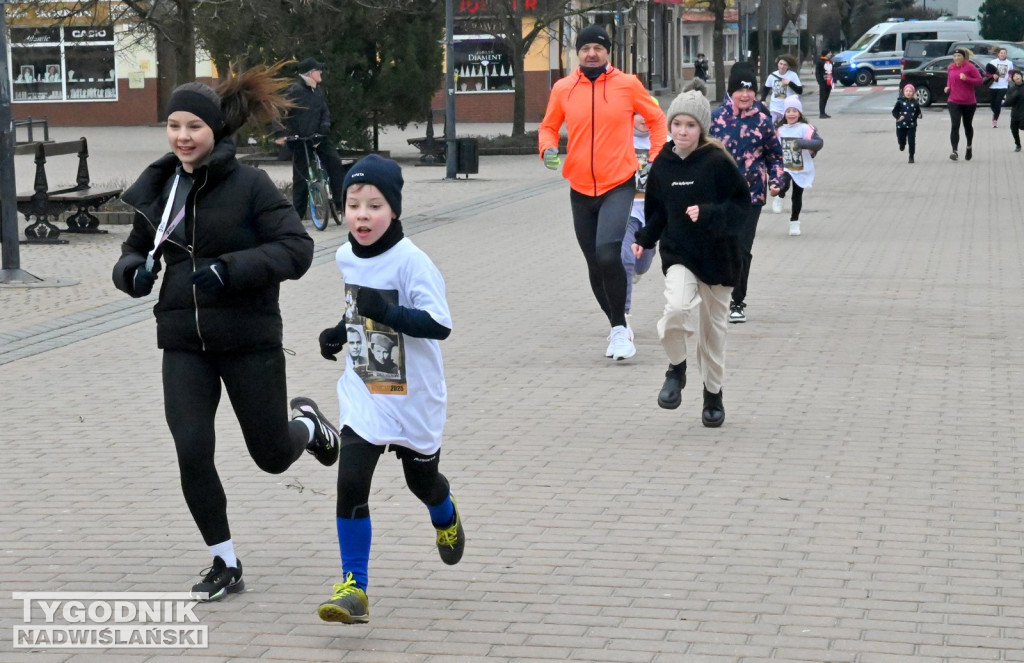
(348, 604)
(737, 313)
(451, 540)
(326, 441)
(622, 343)
(218, 581)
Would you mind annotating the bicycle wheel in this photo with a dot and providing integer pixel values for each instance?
(319, 205)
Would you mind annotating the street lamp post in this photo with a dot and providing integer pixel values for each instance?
(451, 155)
(11, 271)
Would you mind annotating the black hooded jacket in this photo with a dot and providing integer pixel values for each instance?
(310, 114)
(708, 247)
(233, 213)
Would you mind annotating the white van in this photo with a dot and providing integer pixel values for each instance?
(878, 52)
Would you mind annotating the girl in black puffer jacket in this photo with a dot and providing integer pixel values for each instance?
(225, 238)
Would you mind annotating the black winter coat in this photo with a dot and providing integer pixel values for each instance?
(709, 247)
(1015, 100)
(309, 116)
(233, 213)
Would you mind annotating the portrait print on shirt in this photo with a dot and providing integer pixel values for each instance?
(384, 370)
(792, 156)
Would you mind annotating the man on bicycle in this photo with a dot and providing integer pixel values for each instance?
(310, 116)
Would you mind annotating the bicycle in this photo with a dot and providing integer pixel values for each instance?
(318, 184)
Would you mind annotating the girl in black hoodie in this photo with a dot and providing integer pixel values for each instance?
(696, 204)
(226, 238)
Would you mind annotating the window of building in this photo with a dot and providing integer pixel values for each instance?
(732, 47)
(482, 64)
(691, 47)
(63, 64)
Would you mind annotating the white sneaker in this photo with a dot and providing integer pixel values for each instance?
(636, 277)
(776, 205)
(621, 345)
(794, 228)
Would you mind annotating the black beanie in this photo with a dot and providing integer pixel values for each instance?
(382, 173)
(742, 76)
(593, 34)
(200, 100)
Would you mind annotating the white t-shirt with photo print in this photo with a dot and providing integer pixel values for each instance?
(403, 401)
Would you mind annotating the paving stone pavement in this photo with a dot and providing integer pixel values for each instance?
(860, 504)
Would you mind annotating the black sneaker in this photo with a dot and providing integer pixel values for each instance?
(326, 441)
(451, 540)
(218, 581)
(953, 156)
(736, 313)
(968, 155)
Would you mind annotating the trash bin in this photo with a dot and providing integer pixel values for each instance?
(467, 156)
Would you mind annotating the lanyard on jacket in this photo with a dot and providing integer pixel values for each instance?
(167, 225)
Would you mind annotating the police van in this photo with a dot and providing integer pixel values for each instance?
(877, 54)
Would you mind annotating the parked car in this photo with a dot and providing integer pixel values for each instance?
(931, 77)
(919, 51)
(991, 47)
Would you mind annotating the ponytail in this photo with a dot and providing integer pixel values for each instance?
(256, 94)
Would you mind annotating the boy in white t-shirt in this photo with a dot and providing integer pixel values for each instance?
(1000, 70)
(396, 401)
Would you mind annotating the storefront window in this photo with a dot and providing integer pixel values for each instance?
(482, 64)
(63, 64)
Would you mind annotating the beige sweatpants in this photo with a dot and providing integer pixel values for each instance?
(696, 314)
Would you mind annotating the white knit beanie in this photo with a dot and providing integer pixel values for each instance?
(695, 105)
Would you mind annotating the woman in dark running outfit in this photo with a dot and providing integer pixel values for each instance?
(226, 238)
(962, 78)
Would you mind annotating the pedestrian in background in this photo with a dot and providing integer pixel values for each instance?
(700, 67)
(596, 103)
(800, 143)
(636, 268)
(697, 205)
(783, 82)
(823, 74)
(907, 112)
(227, 238)
(962, 77)
(1015, 100)
(749, 136)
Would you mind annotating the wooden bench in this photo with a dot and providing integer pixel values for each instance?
(433, 151)
(42, 204)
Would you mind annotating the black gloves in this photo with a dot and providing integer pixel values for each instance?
(371, 304)
(331, 341)
(211, 278)
(142, 280)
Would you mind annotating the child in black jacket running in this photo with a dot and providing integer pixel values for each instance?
(907, 112)
(697, 202)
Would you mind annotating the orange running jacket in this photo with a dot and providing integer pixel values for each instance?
(599, 119)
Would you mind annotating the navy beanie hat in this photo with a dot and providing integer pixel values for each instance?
(593, 34)
(382, 173)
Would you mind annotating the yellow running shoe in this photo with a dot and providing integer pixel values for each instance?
(347, 605)
(451, 540)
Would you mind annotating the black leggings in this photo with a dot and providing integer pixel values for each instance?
(600, 224)
(958, 112)
(997, 103)
(256, 386)
(907, 136)
(746, 239)
(357, 461)
(1015, 127)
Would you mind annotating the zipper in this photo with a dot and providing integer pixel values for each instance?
(593, 130)
(191, 252)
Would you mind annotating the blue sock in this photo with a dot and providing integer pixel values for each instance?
(354, 535)
(443, 514)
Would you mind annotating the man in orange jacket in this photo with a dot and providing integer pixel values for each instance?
(597, 103)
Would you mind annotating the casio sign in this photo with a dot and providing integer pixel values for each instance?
(89, 34)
